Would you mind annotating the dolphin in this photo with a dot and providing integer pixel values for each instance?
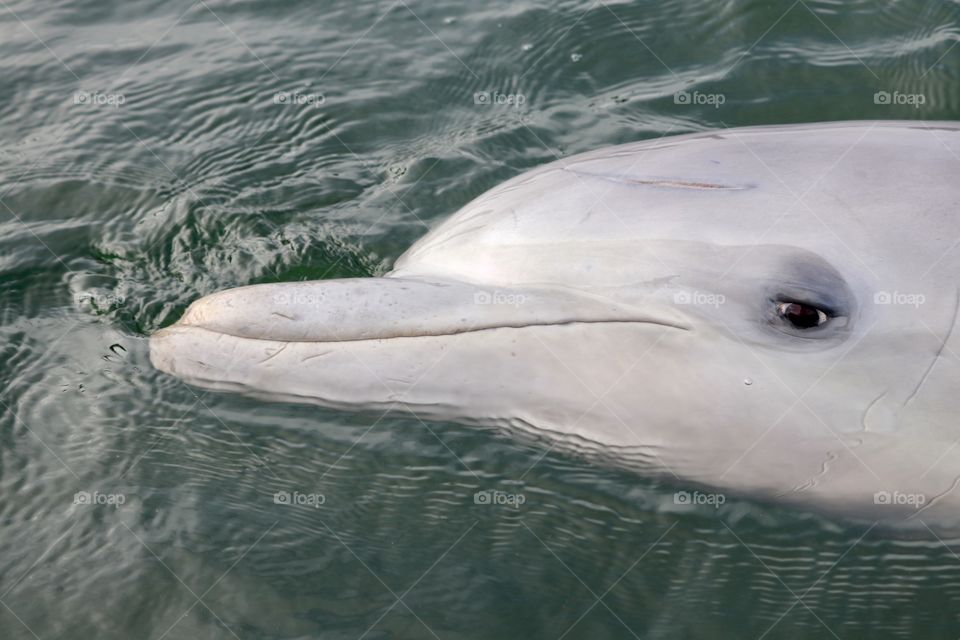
(765, 311)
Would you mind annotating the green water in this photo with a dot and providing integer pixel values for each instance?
(149, 156)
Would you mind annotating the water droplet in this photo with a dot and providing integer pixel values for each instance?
(576, 57)
(748, 381)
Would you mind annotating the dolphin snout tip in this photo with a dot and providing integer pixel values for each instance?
(161, 356)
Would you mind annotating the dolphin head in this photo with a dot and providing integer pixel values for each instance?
(766, 310)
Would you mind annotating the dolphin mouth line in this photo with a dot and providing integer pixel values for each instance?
(333, 339)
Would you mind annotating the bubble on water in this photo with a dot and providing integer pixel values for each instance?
(449, 20)
(576, 57)
(527, 47)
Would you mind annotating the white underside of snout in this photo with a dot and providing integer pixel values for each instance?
(541, 375)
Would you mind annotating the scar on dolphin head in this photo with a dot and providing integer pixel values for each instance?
(943, 345)
(664, 182)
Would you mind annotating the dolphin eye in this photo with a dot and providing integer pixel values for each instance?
(802, 316)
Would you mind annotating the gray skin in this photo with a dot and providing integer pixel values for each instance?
(635, 303)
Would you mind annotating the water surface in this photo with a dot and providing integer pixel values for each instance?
(154, 152)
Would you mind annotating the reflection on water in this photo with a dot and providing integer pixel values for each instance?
(156, 152)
